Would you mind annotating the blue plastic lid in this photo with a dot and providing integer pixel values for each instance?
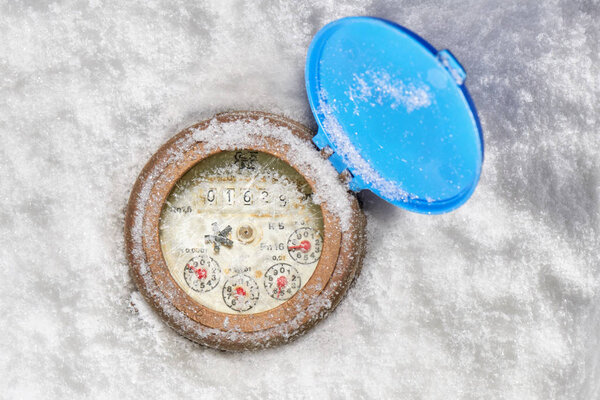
(395, 113)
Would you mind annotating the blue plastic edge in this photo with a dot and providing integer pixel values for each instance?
(415, 205)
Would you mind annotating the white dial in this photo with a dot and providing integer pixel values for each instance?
(305, 245)
(230, 220)
(202, 273)
(282, 281)
(240, 293)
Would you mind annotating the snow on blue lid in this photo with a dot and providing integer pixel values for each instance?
(395, 113)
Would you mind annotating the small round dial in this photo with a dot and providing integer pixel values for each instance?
(282, 281)
(202, 273)
(305, 245)
(240, 292)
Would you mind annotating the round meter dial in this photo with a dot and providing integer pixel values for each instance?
(229, 240)
(238, 209)
(240, 293)
(282, 281)
(202, 274)
(304, 245)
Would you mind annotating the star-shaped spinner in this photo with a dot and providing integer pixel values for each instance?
(220, 237)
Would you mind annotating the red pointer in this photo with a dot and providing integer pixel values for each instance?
(304, 246)
(281, 282)
(200, 272)
(240, 291)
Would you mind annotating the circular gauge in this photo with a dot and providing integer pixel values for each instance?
(213, 220)
(282, 281)
(237, 208)
(202, 273)
(305, 245)
(240, 293)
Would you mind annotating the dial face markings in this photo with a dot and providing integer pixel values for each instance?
(181, 192)
(239, 212)
(240, 293)
(305, 245)
(282, 281)
(202, 273)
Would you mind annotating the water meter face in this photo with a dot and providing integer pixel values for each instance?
(240, 233)
(237, 245)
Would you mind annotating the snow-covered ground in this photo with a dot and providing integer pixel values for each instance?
(498, 300)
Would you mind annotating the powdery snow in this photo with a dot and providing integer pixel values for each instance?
(345, 149)
(498, 299)
(378, 86)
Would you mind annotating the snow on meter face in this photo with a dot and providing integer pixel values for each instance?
(242, 234)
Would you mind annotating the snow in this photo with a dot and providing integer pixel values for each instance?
(499, 299)
(351, 156)
(240, 134)
(377, 86)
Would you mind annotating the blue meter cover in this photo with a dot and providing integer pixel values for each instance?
(395, 113)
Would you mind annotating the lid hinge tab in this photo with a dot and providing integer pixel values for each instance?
(321, 141)
(452, 65)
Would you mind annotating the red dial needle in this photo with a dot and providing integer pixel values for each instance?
(200, 272)
(304, 246)
(281, 282)
(240, 291)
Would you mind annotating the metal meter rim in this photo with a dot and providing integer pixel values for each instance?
(340, 261)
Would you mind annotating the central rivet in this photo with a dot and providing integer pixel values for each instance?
(245, 234)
